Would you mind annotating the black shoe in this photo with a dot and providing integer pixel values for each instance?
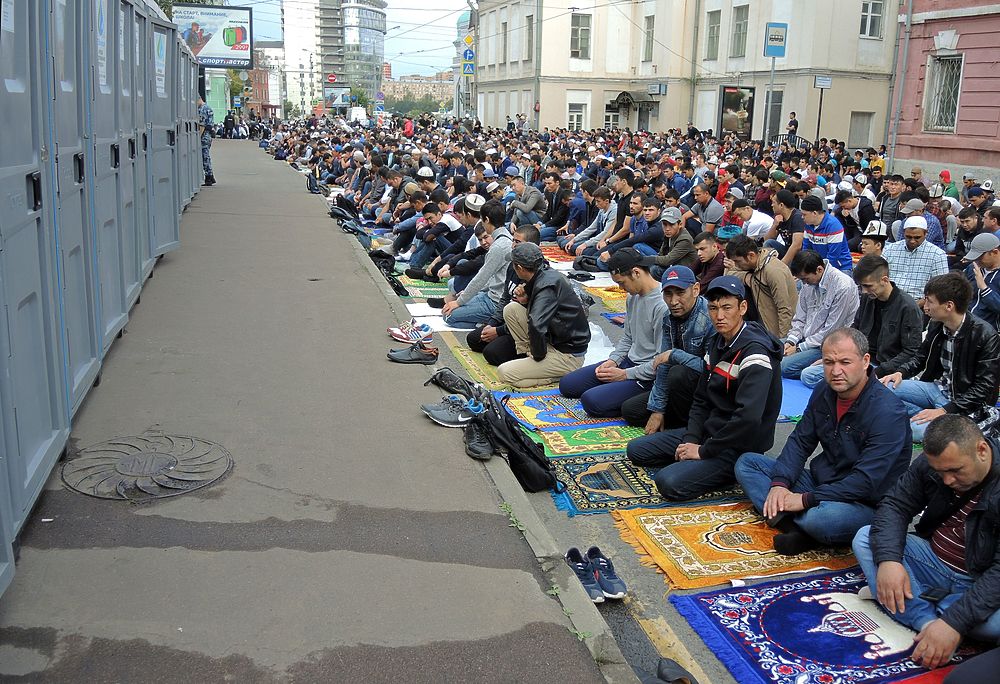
(209, 180)
(430, 278)
(416, 353)
(795, 542)
(783, 522)
(415, 273)
(477, 441)
(435, 302)
(450, 382)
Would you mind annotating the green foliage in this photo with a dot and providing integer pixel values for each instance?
(168, 5)
(235, 82)
(362, 96)
(411, 107)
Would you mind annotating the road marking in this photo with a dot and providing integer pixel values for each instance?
(666, 641)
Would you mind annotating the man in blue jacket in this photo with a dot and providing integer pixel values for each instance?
(865, 434)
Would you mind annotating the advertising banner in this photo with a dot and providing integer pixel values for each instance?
(336, 96)
(736, 112)
(218, 36)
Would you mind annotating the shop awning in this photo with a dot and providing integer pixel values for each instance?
(632, 98)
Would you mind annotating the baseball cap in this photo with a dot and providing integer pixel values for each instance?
(488, 173)
(511, 171)
(915, 222)
(425, 172)
(728, 284)
(677, 276)
(968, 175)
(625, 259)
(670, 215)
(876, 229)
(912, 206)
(778, 176)
(527, 254)
(735, 193)
(410, 188)
(976, 192)
(982, 243)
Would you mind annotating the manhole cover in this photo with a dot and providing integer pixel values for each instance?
(147, 467)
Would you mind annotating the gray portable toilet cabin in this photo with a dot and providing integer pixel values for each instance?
(143, 174)
(103, 86)
(185, 190)
(34, 410)
(162, 109)
(130, 130)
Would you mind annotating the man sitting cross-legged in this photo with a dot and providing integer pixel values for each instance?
(942, 579)
(688, 334)
(546, 321)
(957, 363)
(865, 435)
(603, 387)
(735, 405)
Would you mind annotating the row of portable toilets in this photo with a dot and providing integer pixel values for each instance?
(99, 155)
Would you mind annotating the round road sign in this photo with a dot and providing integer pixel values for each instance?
(331, 78)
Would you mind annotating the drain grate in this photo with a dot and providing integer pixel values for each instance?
(147, 467)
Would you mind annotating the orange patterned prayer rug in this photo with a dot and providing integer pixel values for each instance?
(555, 253)
(708, 545)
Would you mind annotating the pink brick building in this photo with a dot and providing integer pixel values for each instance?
(950, 80)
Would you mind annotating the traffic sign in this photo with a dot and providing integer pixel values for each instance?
(380, 107)
(331, 78)
(468, 55)
(469, 40)
(823, 82)
(380, 96)
(775, 38)
(237, 102)
(468, 68)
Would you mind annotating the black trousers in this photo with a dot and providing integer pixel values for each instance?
(983, 668)
(681, 383)
(501, 350)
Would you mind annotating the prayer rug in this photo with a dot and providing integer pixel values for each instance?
(422, 288)
(709, 545)
(613, 298)
(554, 252)
(548, 410)
(596, 440)
(794, 398)
(615, 318)
(809, 630)
(601, 483)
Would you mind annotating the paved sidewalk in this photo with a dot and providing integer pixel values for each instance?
(353, 542)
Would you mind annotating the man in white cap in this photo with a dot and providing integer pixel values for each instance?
(913, 260)
(915, 206)
(873, 238)
(983, 273)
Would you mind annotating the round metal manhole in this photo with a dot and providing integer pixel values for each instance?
(147, 467)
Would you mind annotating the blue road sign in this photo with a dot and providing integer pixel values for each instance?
(380, 107)
(468, 55)
(468, 68)
(775, 38)
(380, 96)
(237, 102)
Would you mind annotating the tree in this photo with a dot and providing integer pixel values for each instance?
(362, 96)
(287, 107)
(235, 82)
(168, 5)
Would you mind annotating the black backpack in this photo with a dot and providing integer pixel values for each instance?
(526, 458)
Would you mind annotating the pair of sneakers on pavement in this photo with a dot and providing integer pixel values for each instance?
(456, 411)
(411, 332)
(597, 574)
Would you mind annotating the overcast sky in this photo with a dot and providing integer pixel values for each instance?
(420, 43)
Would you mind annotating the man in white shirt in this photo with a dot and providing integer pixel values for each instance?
(756, 224)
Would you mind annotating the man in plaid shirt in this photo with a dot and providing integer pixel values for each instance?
(913, 261)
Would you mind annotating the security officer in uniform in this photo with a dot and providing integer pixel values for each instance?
(206, 122)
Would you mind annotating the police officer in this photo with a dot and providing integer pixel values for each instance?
(206, 122)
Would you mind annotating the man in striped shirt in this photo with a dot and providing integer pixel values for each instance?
(942, 580)
(913, 261)
(825, 234)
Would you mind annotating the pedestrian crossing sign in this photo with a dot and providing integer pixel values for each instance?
(468, 68)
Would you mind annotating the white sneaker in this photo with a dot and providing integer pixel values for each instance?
(404, 257)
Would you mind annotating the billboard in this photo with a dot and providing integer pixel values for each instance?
(218, 36)
(336, 96)
(736, 112)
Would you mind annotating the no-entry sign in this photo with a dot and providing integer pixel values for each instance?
(331, 78)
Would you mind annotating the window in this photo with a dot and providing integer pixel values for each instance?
(576, 115)
(871, 19)
(859, 135)
(612, 119)
(738, 44)
(647, 44)
(529, 38)
(944, 83)
(503, 42)
(579, 39)
(712, 35)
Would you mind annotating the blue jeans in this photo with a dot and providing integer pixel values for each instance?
(678, 480)
(926, 571)
(547, 233)
(423, 254)
(916, 396)
(792, 366)
(830, 522)
(521, 218)
(562, 240)
(777, 246)
(599, 398)
(478, 310)
(811, 376)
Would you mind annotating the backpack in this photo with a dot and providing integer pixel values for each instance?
(525, 457)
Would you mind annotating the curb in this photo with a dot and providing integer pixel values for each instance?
(577, 606)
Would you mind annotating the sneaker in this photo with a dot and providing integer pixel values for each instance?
(443, 404)
(612, 586)
(411, 332)
(415, 273)
(455, 414)
(477, 441)
(581, 566)
(435, 302)
(404, 257)
(415, 353)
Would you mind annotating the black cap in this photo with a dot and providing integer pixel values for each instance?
(625, 259)
(812, 203)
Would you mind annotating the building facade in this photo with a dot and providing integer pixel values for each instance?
(302, 63)
(438, 86)
(947, 110)
(273, 54)
(364, 45)
(331, 38)
(661, 63)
